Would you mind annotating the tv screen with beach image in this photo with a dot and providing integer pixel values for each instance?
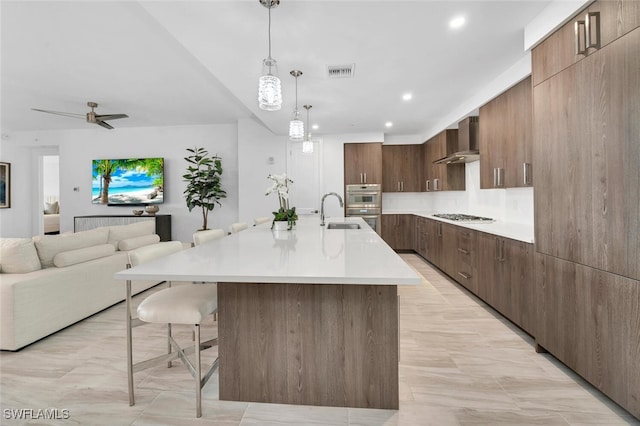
(131, 181)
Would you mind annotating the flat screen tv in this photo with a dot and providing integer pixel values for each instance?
(128, 182)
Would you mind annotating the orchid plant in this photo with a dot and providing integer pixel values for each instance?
(280, 186)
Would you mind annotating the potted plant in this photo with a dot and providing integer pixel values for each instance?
(285, 216)
(203, 182)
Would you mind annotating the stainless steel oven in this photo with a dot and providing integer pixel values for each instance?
(365, 201)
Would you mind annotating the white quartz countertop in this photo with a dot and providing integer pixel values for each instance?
(512, 230)
(309, 254)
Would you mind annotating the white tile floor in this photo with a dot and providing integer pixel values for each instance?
(460, 364)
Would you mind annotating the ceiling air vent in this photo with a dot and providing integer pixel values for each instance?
(341, 71)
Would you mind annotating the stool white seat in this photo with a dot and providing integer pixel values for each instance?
(238, 226)
(261, 220)
(187, 304)
(179, 305)
(201, 237)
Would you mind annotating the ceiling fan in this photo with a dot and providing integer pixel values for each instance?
(91, 117)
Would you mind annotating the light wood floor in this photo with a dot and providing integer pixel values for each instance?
(460, 364)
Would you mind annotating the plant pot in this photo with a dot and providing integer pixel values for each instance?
(280, 226)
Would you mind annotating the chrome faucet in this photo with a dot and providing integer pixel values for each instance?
(322, 205)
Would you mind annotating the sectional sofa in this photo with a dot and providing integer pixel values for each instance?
(52, 281)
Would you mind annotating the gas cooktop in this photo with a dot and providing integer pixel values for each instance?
(457, 217)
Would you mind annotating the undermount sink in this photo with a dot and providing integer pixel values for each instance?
(341, 225)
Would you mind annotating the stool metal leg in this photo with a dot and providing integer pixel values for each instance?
(198, 378)
(169, 343)
(129, 346)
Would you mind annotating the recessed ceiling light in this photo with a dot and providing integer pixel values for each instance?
(388, 124)
(457, 22)
(407, 97)
(314, 127)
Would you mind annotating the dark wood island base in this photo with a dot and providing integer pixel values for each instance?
(309, 344)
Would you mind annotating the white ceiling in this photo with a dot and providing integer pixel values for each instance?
(171, 63)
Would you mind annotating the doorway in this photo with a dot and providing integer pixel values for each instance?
(304, 168)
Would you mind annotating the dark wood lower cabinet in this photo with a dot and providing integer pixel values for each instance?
(398, 230)
(505, 278)
(498, 270)
(590, 320)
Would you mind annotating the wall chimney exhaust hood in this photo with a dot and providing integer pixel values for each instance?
(467, 143)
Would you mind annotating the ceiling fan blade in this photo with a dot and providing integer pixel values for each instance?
(111, 116)
(66, 114)
(104, 124)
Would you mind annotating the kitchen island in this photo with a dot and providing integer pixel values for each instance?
(308, 316)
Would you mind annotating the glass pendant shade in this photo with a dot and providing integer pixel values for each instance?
(296, 129)
(307, 147)
(269, 88)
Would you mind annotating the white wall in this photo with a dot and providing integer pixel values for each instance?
(77, 148)
(260, 153)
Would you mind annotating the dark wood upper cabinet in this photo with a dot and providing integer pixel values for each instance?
(402, 168)
(362, 163)
(591, 29)
(442, 177)
(505, 134)
(587, 160)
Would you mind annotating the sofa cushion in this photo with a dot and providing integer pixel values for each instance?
(18, 256)
(52, 208)
(135, 242)
(71, 257)
(136, 229)
(50, 245)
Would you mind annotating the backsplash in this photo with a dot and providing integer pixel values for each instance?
(510, 205)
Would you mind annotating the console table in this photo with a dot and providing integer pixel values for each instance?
(163, 222)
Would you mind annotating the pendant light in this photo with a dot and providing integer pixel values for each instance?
(269, 88)
(296, 126)
(307, 143)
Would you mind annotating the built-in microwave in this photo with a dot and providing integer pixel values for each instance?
(365, 195)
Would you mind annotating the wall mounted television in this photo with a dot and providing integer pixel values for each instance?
(128, 181)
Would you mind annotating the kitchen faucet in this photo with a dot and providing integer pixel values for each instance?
(322, 205)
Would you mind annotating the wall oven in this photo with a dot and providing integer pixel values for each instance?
(365, 201)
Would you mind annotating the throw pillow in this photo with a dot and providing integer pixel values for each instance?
(135, 242)
(136, 229)
(18, 256)
(50, 245)
(51, 208)
(71, 257)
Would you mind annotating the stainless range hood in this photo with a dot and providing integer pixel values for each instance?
(467, 143)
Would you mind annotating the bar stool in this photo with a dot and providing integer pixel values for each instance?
(201, 237)
(237, 227)
(174, 305)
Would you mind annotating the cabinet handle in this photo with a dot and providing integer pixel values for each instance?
(428, 185)
(497, 249)
(398, 186)
(592, 29)
(526, 175)
(463, 251)
(439, 229)
(464, 275)
(495, 177)
(500, 172)
(436, 186)
(365, 178)
(402, 186)
(580, 32)
(361, 181)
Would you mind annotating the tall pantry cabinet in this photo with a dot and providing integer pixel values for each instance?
(586, 160)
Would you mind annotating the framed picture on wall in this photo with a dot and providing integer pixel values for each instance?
(5, 185)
